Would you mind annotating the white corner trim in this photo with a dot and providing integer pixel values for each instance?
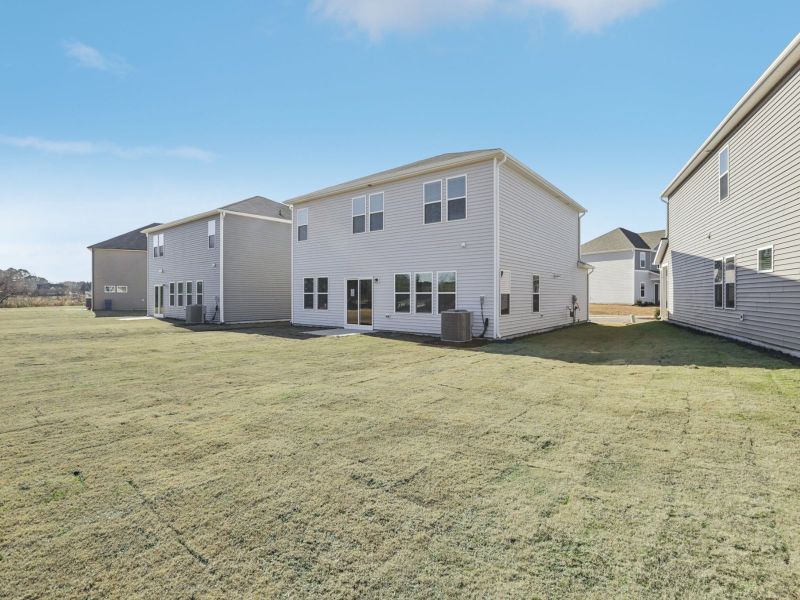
(222, 267)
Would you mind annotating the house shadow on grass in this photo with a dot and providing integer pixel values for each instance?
(651, 343)
(277, 329)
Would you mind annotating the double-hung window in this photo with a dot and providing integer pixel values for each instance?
(158, 244)
(718, 283)
(505, 292)
(446, 288)
(641, 290)
(199, 292)
(724, 167)
(308, 293)
(535, 293)
(180, 293)
(172, 293)
(457, 198)
(642, 260)
(109, 289)
(302, 224)
(322, 293)
(212, 234)
(189, 293)
(402, 293)
(376, 212)
(423, 292)
(765, 260)
(730, 282)
(122, 289)
(432, 201)
(360, 214)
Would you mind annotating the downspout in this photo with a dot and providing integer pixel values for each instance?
(221, 266)
(580, 258)
(496, 279)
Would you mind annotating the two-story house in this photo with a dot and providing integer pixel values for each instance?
(731, 261)
(622, 267)
(478, 231)
(233, 260)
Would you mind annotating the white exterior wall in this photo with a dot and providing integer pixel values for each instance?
(539, 235)
(612, 280)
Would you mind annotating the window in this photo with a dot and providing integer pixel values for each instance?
(730, 282)
(189, 294)
(376, 212)
(718, 283)
(180, 293)
(765, 260)
(158, 245)
(360, 214)
(446, 299)
(122, 289)
(641, 290)
(172, 293)
(505, 293)
(212, 234)
(724, 163)
(109, 289)
(457, 198)
(322, 293)
(423, 292)
(308, 293)
(432, 196)
(535, 293)
(199, 291)
(402, 293)
(155, 246)
(642, 260)
(302, 224)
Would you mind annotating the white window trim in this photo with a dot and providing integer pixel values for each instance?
(171, 290)
(772, 259)
(720, 175)
(442, 207)
(414, 292)
(212, 232)
(186, 292)
(721, 260)
(301, 212)
(411, 306)
(642, 261)
(109, 289)
(504, 273)
(725, 284)
(313, 292)
(316, 293)
(197, 294)
(465, 196)
(642, 290)
(370, 213)
(122, 289)
(353, 214)
(180, 294)
(535, 293)
(455, 294)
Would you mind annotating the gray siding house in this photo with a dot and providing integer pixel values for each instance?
(475, 230)
(234, 260)
(119, 272)
(623, 269)
(731, 261)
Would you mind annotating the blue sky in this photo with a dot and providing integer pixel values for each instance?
(113, 115)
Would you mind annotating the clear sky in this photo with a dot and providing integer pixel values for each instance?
(117, 114)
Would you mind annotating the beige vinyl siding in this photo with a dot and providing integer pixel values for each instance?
(612, 280)
(406, 245)
(257, 270)
(539, 235)
(763, 209)
(119, 267)
(187, 257)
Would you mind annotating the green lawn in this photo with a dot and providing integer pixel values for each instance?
(138, 458)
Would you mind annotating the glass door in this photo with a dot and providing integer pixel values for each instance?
(358, 305)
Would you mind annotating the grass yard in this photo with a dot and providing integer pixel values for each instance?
(141, 459)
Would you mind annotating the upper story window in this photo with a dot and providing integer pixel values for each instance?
(360, 214)
(432, 201)
(765, 260)
(376, 212)
(642, 260)
(158, 244)
(457, 198)
(302, 224)
(724, 165)
(109, 289)
(212, 234)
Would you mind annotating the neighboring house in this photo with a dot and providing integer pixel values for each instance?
(119, 272)
(233, 260)
(731, 263)
(623, 270)
(476, 230)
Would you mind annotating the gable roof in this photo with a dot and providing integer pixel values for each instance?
(133, 240)
(768, 81)
(432, 164)
(623, 239)
(257, 206)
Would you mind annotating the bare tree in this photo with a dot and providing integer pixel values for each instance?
(12, 283)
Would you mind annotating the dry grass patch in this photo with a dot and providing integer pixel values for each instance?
(144, 459)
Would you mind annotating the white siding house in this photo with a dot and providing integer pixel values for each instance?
(234, 260)
(622, 267)
(474, 230)
(731, 263)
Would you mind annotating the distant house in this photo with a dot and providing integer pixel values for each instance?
(623, 272)
(730, 263)
(476, 230)
(119, 272)
(234, 261)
